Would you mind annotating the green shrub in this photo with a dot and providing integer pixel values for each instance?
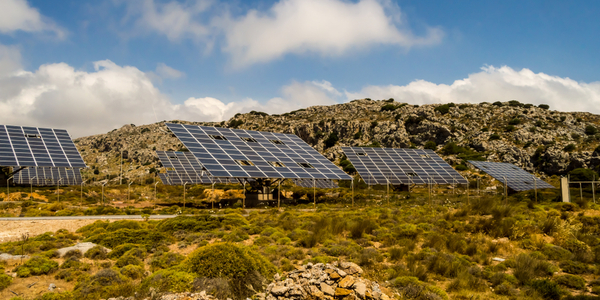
(494, 136)
(573, 267)
(105, 283)
(413, 288)
(544, 106)
(444, 108)
(554, 252)
(96, 252)
(389, 107)
(570, 281)
(570, 148)
(121, 249)
(331, 140)
(591, 130)
(527, 268)
(165, 260)
(55, 296)
(73, 253)
(149, 238)
(37, 265)
(5, 281)
(238, 264)
(547, 288)
(169, 280)
(498, 103)
(583, 174)
(134, 256)
(132, 271)
(430, 145)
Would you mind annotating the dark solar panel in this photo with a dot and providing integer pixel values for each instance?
(38, 147)
(164, 178)
(47, 176)
(237, 153)
(401, 166)
(516, 178)
(323, 184)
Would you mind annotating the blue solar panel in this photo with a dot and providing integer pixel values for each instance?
(47, 176)
(516, 178)
(398, 166)
(38, 147)
(237, 153)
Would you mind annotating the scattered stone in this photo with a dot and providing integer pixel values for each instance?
(51, 287)
(6, 256)
(83, 247)
(340, 292)
(327, 289)
(498, 259)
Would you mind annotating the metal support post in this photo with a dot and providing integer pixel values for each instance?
(315, 192)
(593, 188)
(155, 184)
(57, 191)
(352, 185)
(429, 188)
(184, 195)
(535, 188)
(81, 197)
(128, 190)
(478, 187)
(103, 192)
(279, 195)
(31, 187)
(213, 195)
(244, 200)
(505, 191)
(8, 188)
(580, 192)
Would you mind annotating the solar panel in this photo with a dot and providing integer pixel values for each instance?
(323, 184)
(37, 147)
(516, 178)
(164, 178)
(238, 153)
(47, 176)
(401, 166)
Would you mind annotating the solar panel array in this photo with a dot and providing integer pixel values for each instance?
(323, 184)
(401, 166)
(516, 178)
(37, 147)
(46, 176)
(174, 178)
(183, 167)
(237, 153)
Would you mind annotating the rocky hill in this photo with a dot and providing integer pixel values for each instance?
(535, 138)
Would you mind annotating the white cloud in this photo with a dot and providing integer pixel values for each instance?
(495, 84)
(165, 71)
(172, 19)
(17, 15)
(85, 103)
(326, 27)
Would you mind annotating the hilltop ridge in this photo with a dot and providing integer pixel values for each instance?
(536, 138)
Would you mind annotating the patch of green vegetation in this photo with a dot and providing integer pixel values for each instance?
(37, 265)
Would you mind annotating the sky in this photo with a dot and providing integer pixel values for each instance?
(93, 66)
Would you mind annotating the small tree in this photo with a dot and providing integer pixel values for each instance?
(591, 130)
(544, 106)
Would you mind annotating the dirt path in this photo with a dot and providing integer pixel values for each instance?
(12, 230)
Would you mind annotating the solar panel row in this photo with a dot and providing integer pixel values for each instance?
(43, 147)
(323, 184)
(47, 176)
(401, 166)
(236, 153)
(516, 178)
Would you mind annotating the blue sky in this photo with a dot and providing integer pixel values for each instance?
(114, 62)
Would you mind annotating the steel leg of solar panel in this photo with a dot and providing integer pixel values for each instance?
(155, 191)
(535, 188)
(315, 193)
(505, 192)
(213, 195)
(279, 195)
(184, 195)
(593, 191)
(352, 185)
(580, 192)
(244, 200)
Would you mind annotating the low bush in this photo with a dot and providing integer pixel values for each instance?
(527, 268)
(238, 264)
(573, 267)
(548, 289)
(37, 265)
(132, 271)
(570, 281)
(96, 252)
(169, 280)
(413, 288)
(165, 260)
(121, 249)
(5, 281)
(105, 283)
(73, 253)
(149, 238)
(134, 256)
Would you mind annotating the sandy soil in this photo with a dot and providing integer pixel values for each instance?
(12, 230)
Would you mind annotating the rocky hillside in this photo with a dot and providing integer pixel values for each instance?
(535, 138)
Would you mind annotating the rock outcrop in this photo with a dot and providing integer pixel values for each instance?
(324, 281)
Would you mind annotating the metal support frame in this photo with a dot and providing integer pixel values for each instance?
(103, 192)
(184, 195)
(315, 192)
(505, 191)
(8, 188)
(31, 186)
(128, 190)
(352, 185)
(244, 200)
(155, 184)
(57, 188)
(81, 196)
(279, 195)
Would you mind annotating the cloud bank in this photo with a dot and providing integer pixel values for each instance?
(495, 84)
(92, 102)
(322, 27)
(17, 15)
